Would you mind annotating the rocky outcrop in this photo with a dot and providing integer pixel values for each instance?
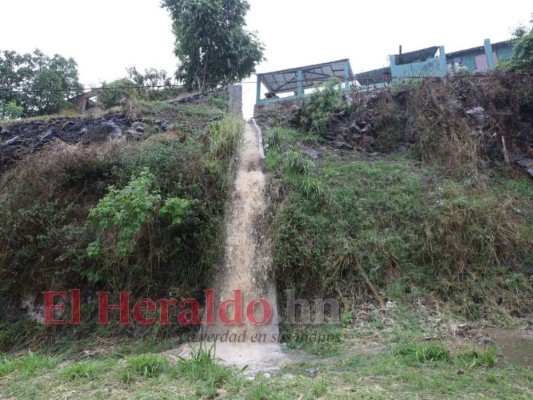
(391, 121)
(21, 138)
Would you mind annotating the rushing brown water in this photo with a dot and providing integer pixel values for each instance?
(247, 269)
(247, 260)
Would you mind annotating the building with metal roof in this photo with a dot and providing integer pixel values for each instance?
(295, 81)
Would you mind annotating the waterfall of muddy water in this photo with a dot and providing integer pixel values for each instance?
(247, 268)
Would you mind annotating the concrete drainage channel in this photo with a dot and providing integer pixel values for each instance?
(247, 339)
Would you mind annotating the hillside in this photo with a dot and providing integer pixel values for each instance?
(403, 205)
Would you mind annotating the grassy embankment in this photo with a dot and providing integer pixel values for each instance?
(447, 245)
(144, 217)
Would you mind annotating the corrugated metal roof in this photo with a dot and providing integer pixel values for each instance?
(287, 80)
(380, 75)
(479, 49)
(416, 56)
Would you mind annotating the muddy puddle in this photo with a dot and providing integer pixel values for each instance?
(515, 347)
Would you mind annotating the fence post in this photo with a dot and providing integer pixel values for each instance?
(258, 93)
(488, 54)
(443, 66)
(300, 78)
(346, 76)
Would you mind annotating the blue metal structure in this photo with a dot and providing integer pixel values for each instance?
(420, 63)
(479, 58)
(428, 62)
(296, 80)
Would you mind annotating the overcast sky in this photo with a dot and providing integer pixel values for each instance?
(107, 36)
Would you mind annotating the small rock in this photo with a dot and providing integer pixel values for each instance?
(454, 106)
(479, 115)
(15, 141)
(67, 125)
(4, 131)
(115, 132)
(311, 153)
(46, 136)
(138, 126)
(391, 305)
(135, 135)
(343, 145)
(476, 111)
(530, 172)
(360, 129)
(526, 162)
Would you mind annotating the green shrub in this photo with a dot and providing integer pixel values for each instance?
(116, 93)
(323, 106)
(125, 211)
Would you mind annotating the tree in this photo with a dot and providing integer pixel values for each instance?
(37, 83)
(117, 92)
(522, 59)
(157, 85)
(211, 42)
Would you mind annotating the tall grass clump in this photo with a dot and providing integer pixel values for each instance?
(202, 366)
(224, 136)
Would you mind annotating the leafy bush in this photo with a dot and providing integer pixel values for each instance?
(323, 106)
(125, 211)
(174, 208)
